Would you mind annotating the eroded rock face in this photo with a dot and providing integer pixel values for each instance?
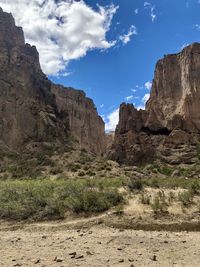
(169, 128)
(86, 126)
(175, 96)
(29, 110)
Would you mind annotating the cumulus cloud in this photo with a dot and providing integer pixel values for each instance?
(148, 85)
(129, 97)
(145, 98)
(112, 120)
(143, 102)
(62, 30)
(125, 38)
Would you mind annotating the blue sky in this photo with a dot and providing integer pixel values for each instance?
(108, 77)
(120, 65)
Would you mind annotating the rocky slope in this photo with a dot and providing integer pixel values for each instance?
(169, 128)
(30, 112)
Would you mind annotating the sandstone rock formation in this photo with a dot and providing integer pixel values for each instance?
(169, 127)
(86, 126)
(30, 112)
(110, 137)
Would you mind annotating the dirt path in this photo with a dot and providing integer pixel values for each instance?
(98, 246)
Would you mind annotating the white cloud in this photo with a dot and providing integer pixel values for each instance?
(145, 98)
(183, 46)
(112, 120)
(152, 14)
(62, 30)
(152, 8)
(197, 27)
(146, 4)
(139, 87)
(140, 107)
(125, 38)
(134, 90)
(136, 11)
(129, 97)
(148, 85)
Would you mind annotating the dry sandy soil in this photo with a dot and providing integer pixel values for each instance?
(48, 244)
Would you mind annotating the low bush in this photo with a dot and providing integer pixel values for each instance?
(47, 199)
(185, 198)
(173, 183)
(158, 206)
(194, 188)
(74, 167)
(119, 210)
(135, 184)
(159, 203)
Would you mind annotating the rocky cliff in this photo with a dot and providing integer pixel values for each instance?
(86, 126)
(169, 127)
(32, 109)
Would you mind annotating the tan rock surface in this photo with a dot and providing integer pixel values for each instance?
(29, 110)
(85, 125)
(169, 128)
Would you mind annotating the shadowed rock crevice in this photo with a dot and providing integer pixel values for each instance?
(161, 131)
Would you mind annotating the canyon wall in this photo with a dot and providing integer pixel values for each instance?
(32, 109)
(169, 127)
(86, 126)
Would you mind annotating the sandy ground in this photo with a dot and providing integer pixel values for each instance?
(98, 246)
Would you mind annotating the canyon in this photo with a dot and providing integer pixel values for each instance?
(33, 111)
(169, 127)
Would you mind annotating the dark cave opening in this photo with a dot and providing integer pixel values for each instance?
(160, 131)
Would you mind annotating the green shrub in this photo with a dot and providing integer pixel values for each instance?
(166, 170)
(155, 183)
(135, 184)
(194, 188)
(46, 199)
(159, 203)
(74, 167)
(119, 211)
(158, 206)
(198, 151)
(93, 201)
(185, 198)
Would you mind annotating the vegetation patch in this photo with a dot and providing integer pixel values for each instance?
(46, 199)
(135, 184)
